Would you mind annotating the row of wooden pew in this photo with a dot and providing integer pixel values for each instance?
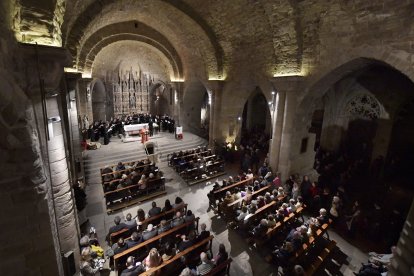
(174, 265)
(155, 220)
(120, 198)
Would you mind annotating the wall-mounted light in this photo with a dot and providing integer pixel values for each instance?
(273, 92)
(209, 98)
(239, 118)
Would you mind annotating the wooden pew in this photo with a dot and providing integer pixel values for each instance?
(185, 155)
(194, 175)
(223, 267)
(125, 233)
(155, 187)
(155, 171)
(254, 195)
(177, 257)
(220, 193)
(122, 171)
(259, 214)
(319, 233)
(322, 256)
(181, 167)
(141, 250)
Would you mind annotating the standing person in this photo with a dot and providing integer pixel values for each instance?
(151, 127)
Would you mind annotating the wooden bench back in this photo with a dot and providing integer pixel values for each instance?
(178, 256)
(223, 267)
(254, 195)
(125, 164)
(260, 212)
(120, 259)
(232, 186)
(150, 182)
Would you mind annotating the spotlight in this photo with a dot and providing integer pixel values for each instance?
(273, 92)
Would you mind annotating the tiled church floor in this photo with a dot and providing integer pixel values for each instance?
(246, 261)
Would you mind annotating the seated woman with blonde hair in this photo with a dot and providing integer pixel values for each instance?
(153, 259)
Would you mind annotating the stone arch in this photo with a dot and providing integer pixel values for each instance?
(111, 33)
(214, 57)
(193, 97)
(343, 78)
(99, 99)
(256, 112)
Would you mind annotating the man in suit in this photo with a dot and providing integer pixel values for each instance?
(117, 227)
(132, 269)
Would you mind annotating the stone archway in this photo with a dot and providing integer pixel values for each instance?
(193, 101)
(99, 101)
(256, 114)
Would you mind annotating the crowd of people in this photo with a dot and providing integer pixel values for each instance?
(93, 256)
(115, 126)
(138, 176)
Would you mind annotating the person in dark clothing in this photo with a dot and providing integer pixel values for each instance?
(184, 244)
(117, 227)
(120, 246)
(221, 256)
(132, 269)
(136, 239)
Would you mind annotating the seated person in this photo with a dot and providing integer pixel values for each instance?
(281, 255)
(221, 256)
(120, 246)
(203, 233)
(184, 243)
(132, 269)
(271, 222)
(135, 239)
(120, 167)
(149, 233)
(164, 226)
(129, 222)
(260, 230)
(177, 220)
(243, 213)
(153, 259)
(117, 227)
(206, 265)
(154, 210)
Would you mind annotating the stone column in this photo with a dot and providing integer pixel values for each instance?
(280, 150)
(84, 99)
(277, 123)
(216, 87)
(403, 262)
(177, 105)
(49, 62)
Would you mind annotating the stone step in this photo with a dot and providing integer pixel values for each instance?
(140, 148)
(130, 155)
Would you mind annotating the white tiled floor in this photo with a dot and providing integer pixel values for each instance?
(246, 261)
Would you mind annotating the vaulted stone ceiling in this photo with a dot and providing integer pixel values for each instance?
(200, 38)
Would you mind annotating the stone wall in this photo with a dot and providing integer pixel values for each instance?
(29, 237)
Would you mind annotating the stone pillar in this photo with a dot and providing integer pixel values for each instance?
(215, 109)
(84, 99)
(178, 86)
(277, 123)
(403, 262)
(49, 62)
(281, 148)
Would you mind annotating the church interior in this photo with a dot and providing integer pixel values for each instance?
(194, 137)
